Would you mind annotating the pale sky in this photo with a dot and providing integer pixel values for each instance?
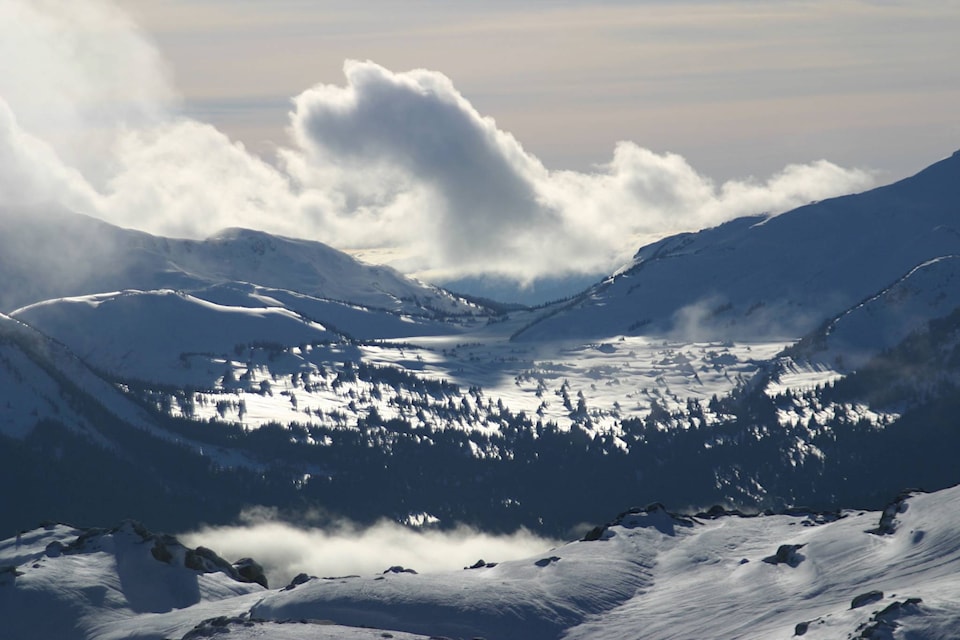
(737, 88)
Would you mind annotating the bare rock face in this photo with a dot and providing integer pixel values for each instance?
(250, 570)
(888, 519)
(786, 554)
(866, 598)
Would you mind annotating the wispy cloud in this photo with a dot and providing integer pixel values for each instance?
(344, 548)
(400, 161)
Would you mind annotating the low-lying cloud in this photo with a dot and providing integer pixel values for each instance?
(345, 548)
(400, 162)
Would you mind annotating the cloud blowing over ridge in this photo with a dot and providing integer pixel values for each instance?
(343, 548)
(395, 161)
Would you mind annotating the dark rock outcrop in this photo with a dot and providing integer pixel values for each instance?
(399, 569)
(786, 554)
(883, 624)
(298, 580)
(888, 519)
(866, 598)
(543, 562)
(251, 571)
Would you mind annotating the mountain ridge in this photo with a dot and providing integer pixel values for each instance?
(771, 276)
(50, 254)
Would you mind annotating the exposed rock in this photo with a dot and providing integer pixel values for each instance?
(543, 562)
(399, 569)
(87, 540)
(786, 554)
(866, 598)
(299, 579)
(215, 627)
(801, 628)
(888, 519)
(719, 511)
(250, 570)
(883, 623)
(161, 553)
(54, 549)
(207, 561)
(480, 564)
(594, 534)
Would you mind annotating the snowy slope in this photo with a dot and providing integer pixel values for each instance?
(932, 290)
(654, 575)
(347, 319)
(649, 574)
(33, 370)
(48, 254)
(67, 583)
(327, 401)
(311, 268)
(133, 334)
(779, 276)
(42, 379)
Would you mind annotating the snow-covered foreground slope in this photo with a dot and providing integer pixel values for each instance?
(648, 574)
(63, 583)
(779, 276)
(654, 575)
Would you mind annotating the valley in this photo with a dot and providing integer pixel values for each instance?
(765, 379)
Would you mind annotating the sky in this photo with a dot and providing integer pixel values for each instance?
(502, 146)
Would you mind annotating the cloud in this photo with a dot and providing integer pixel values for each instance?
(78, 72)
(344, 548)
(417, 128)
(186, 179)
(422, 166)
(30, 169)
(399, 162)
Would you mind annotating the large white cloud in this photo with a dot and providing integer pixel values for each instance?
(411, 141)
(400, 162)
(75, 72)
(31, 171)
(416, 127)
(186, 179)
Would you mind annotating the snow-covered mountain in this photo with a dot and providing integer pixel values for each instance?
(47, 254)
(649, 573)
(772, 276)
(850, 340)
